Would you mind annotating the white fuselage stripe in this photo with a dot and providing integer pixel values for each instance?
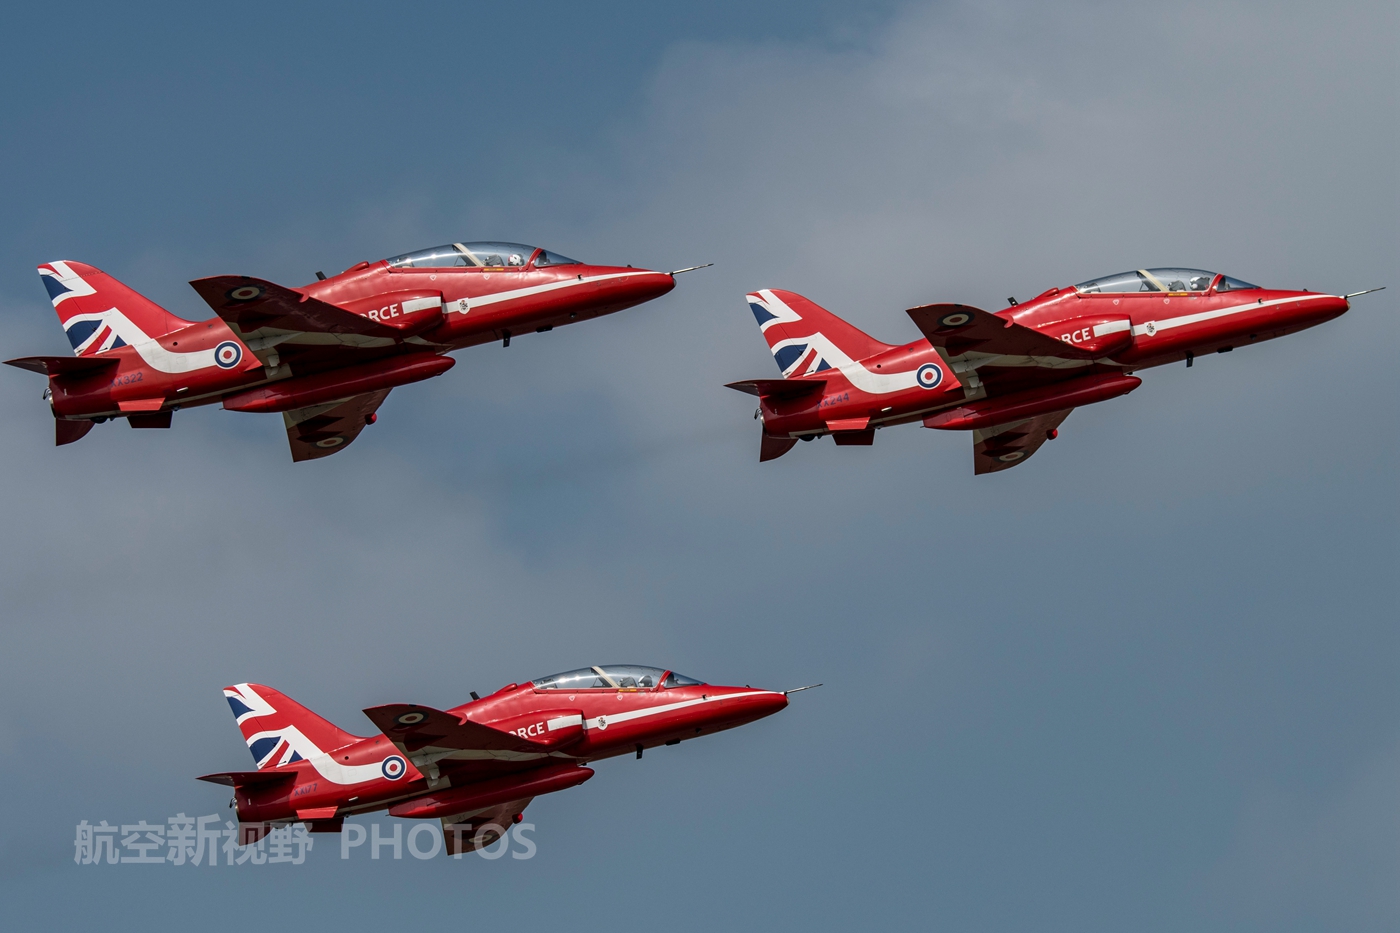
(628, 715)
(1187, 319)
(526, 292)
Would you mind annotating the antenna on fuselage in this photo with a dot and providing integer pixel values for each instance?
(1366, 292)
(691, 269)
(800, 689)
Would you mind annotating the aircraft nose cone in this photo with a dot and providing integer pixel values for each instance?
(652, 284)
(765, 704)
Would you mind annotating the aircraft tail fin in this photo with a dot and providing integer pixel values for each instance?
(279, 730)
(806, 338)
(98, 313)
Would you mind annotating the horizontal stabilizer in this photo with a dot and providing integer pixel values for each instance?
(247, 778)
(778, 388)
(63, 365)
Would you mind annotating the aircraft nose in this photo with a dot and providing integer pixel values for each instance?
(645, 284)
(764, 703)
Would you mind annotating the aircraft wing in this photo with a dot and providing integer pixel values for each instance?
(469, 832)
(990, 354)
(266, 316)
(1004, 446)
(322, 430)
(957, 329)
(416, 730)
(413, 728)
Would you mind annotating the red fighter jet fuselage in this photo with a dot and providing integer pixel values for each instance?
(476, 766)
(324, 355)
(1011, 377)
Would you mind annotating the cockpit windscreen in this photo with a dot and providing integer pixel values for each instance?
(614, 677)
(1150, 280)
(479, 256)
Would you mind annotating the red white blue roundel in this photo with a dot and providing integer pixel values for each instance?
(929, 375)
(394, 767)
(228, 354)
(956, 319)
(245, 293)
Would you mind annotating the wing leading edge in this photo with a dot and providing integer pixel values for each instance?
(322, 430)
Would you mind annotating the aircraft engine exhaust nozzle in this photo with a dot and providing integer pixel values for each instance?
(987, 413)
(339, 384)
(490, 793)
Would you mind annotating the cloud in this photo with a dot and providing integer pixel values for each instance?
(1021, 669)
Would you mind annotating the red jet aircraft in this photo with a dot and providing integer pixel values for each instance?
(1011, 377)
(324, 355)
(475, 766)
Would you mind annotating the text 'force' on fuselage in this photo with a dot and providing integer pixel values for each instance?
(324, 355)
(1011, 377)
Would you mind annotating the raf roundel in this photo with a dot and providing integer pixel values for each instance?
(956, 319)
(1012, 457)
(329, 442)
(394, 767)
(245, 293)
(228, 354)
(410, 719)
(929, 375)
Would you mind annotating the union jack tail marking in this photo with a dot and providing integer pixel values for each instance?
(279, 730)
(806, 338)
(98, 313)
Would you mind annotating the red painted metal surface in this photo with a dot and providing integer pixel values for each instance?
(489, 793)
(491, 754)
(131, 355)
(990, 412)
(340, 383)
(1030, 363)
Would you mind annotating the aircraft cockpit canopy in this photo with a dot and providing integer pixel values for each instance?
(615, 677)
(1162, 280)
(480, 256)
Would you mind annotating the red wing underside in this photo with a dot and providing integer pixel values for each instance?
(282, 324)
(467, 832)
(958, 329)
(322, 430)
(441, 742)
(994, 356)
(252, 305)
(1004, 446)
(413, 728)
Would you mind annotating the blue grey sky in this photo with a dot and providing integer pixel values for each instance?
(1145, 681)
